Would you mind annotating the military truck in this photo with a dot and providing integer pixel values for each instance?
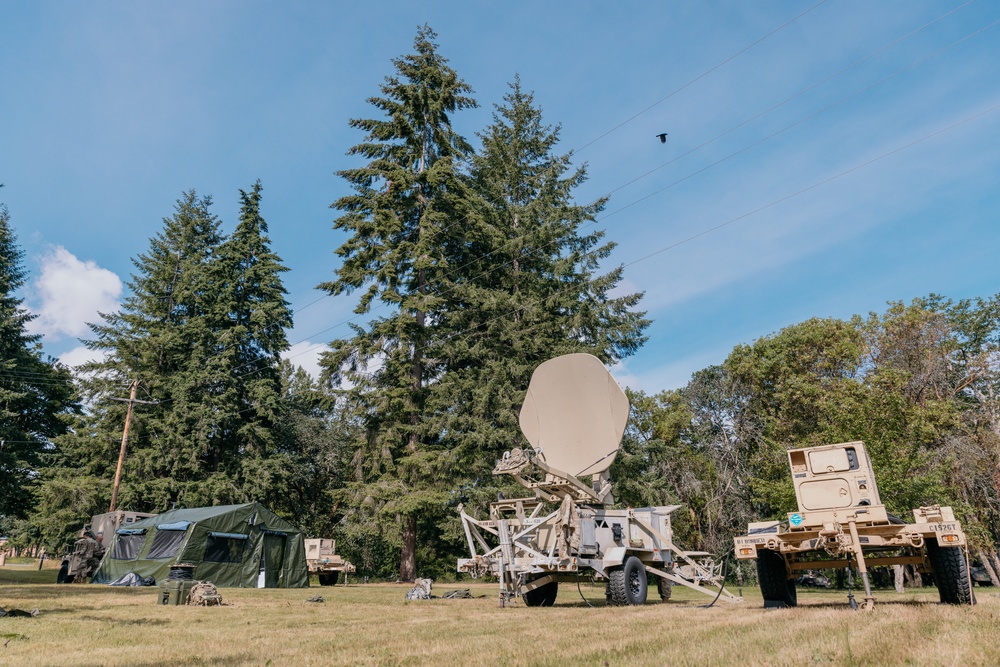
(841, 521)
(574, 416)
(322, 560)
(82, 560)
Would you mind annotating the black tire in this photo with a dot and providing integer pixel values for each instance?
(543, 596)
(772, 574)
(63, 573)
(951, 573)
(628, 583)
(664, 588)
(328, 578)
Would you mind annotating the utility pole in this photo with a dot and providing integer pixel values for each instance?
(131, 400)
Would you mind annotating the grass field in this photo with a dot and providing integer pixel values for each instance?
(373, 625)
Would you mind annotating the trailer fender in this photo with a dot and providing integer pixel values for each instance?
(615, 556)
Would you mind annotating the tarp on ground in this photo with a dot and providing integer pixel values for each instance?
(233, 546)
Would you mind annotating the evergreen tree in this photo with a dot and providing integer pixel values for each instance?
(163, 337)
(201, 331)
(254, 316)
(530, 287)
(405, 224)
(36, 395)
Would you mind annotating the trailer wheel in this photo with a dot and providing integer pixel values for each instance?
(951, 573)
(665, 588)
(328, 578)
(772, 574)
(543, 596)
(628, 583)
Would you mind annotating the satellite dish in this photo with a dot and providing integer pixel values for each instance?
(575, 414)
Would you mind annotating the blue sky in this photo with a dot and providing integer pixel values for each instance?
(849, 158)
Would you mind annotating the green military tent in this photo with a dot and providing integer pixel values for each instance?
(233, 546)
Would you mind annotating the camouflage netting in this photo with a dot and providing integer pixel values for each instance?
(204, 593)
(422, 590)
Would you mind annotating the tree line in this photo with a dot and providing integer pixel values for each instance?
(918, 383)
(470, 266)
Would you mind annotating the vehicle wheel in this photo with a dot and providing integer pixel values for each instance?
(328, 578)
(772, 574)
(543, 596)
(665, 588)
(63, 573)
(628, 583)
(951, 573)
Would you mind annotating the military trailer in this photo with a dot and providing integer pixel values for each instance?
(574, 416)
(323, 561)
(104, 526)
(841, 522)
(82, 560)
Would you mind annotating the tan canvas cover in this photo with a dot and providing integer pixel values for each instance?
(575, 414)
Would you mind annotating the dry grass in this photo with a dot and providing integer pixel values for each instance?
(373, 625)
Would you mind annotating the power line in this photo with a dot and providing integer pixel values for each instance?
(313, 347)
(468, 331)
(806, 90)
(661, 100)
(602, 218)
(699, 77)
(775, 202)
(707, 167)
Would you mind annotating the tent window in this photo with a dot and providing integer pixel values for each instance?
(127, 547)
(224, 548)
(166, 543)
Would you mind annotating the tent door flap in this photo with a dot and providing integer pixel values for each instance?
(272, 557)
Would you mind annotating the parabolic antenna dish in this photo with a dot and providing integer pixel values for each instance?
(575, 413)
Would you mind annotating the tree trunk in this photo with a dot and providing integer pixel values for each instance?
(989, 568)
(897, 571)
(408, 557)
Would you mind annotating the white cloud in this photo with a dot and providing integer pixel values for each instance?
(70, 293)
(80, 355)
(673, 374)
(306, 355)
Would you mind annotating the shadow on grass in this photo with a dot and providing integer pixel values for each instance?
(76, 596)
(833, 604)
(124, 621)
(27, 577)
(238, 659)
(67, 591)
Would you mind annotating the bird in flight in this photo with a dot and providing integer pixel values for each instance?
(663, 138)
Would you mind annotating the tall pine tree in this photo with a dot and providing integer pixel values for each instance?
(36, 396)
(201, 331)
(531, 286)
(163, 337)
(254, 316)
(405, 224)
